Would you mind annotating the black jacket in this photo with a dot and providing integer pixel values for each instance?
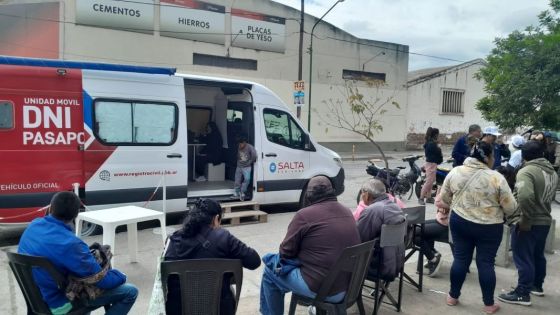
(433, 152)
(223, 245)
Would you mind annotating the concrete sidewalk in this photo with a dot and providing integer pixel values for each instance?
(266, 238)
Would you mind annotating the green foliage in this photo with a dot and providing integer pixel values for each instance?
(523, 76)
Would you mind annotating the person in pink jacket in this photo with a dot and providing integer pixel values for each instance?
(361, 206)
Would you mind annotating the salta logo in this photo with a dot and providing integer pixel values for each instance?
(105, 175)
(272, 167)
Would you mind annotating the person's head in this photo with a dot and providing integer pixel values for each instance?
(371, 190)
(319, 189)
(205, 212)
(532, 150)
(475, 130)
(211, 127)
(484, 152)
(517, 141)
(432, 134)
(65, 206)
(548, 139)
(490, 134)
(242, 142)
(509, 175)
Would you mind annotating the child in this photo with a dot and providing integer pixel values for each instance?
(246, 156)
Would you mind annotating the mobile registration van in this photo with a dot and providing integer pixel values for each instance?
(115, 133)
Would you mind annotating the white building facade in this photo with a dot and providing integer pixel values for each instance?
(255, 40)
(444, 98)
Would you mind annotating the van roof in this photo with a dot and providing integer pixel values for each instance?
(36, 62)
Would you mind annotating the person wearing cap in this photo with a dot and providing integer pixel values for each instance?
(316, 237)
(462, 147)
(490, 135)
(516, 160)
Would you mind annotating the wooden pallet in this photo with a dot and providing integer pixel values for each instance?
(236, 205)
(244, 217)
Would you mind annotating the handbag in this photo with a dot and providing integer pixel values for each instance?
(157, 300)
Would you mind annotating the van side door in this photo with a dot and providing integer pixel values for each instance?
(285, 156)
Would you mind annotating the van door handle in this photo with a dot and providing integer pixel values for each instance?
(174, 156)
(271, 155)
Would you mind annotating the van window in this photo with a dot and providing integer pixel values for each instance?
(282, 129)
(6, 115)
(135, 123)
(234, 115)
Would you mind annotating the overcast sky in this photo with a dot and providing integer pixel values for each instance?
(456, 29)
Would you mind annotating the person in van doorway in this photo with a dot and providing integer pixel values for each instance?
(53, 237)
(316, 237)
(462, 149)
(211, 152)
(202, 226)
(246, 157)
(535, 189)
(434, 157)
(479, 198)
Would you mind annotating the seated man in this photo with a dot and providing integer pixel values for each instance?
(380, 210)
(315, 239)
(52, 237)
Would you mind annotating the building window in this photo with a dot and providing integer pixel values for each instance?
(362, 75)
(6, 115)
(452, 102)
(224, 62)
(135, 123)
(282, 129)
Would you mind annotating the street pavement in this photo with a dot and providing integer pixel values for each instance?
(266, 237)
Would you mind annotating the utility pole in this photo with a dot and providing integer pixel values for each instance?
(300, 64)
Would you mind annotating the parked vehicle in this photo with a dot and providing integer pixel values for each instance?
(398, 184)
(111, 133)
(441, 173)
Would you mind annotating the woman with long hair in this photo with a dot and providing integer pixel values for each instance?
(202, 225)
(434, 157)
(479, 198)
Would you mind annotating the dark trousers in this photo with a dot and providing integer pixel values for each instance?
(433, 232)
(467, 236)
(528, 255)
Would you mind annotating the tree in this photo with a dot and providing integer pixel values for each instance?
(523, 76)
(359, 113)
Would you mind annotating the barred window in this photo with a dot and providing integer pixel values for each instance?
(452, 102)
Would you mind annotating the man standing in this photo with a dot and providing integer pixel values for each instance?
(490, 136)
(380, 211)
(535, 189)
(246, 156)
(52, 237)
(461, 150)
(316, 237)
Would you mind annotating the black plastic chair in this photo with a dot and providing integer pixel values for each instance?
(416, 218)
(22, 266)
(354, 261)
(391, 236)
(201, 282)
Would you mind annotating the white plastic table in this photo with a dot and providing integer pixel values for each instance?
(111, 218)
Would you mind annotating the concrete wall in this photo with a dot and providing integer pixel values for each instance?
(334, 50)
(425, 102)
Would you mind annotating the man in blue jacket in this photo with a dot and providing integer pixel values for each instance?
(53, 237)
(461, 150)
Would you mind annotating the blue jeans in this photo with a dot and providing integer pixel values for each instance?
(273, 289)
(120, 298)
(242, 180)
(528, 255)
(467, 236)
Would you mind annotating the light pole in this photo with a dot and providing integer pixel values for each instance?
(300, 64)
(311, 62)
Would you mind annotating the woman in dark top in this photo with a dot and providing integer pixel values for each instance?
(434, 157)
(212, 151)
(203, 223)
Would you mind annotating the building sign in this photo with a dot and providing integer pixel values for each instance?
(137, 16)
(258, 31)
(193, 20)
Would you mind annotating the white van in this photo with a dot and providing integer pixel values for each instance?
(112, 131)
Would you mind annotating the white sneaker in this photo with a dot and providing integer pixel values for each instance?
(311, 310)
(242, 197)
(200, 179)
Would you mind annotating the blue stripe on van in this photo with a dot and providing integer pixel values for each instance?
(88, 113)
